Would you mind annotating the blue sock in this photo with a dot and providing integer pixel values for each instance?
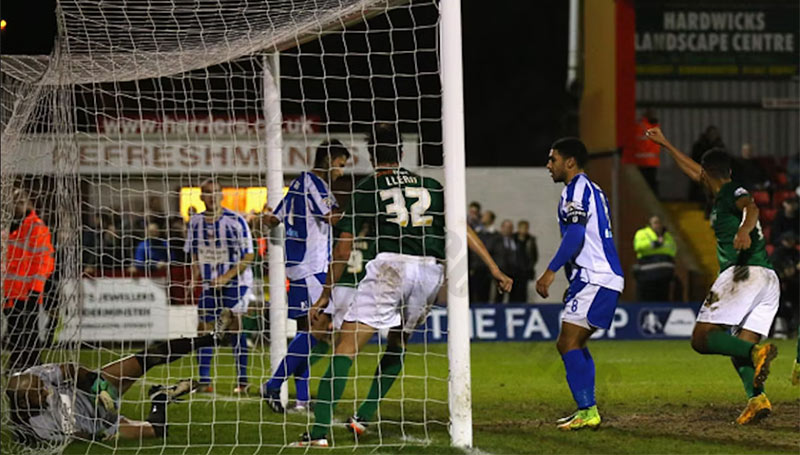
(580, 376)
(296, 356)
(204, 356)
(588, 356)
(239, 343)
(301, 384)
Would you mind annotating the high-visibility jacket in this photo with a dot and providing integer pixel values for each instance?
(645, 243)
(29, 260)
(643, 152)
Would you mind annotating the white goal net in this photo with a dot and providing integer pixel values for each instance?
(108, 140)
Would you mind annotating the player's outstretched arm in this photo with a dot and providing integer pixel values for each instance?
(504, 282)
(689, 166)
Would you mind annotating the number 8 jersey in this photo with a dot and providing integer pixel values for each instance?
(404, 210)
(596, 261)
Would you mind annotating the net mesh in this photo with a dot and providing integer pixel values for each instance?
(111, 136)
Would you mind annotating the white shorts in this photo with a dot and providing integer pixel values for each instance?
(398, 289)
(750, 304)
(342, 299)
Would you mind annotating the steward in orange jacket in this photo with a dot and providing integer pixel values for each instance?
(29, 260)
(27, 265)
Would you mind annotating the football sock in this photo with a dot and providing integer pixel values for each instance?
(580, 377)
(301, 384)
(747, 372)
(170, 351)
(331, 388)
(204, 360)
(318, 351)
(296, 357)
(388, 369)
(239, 342)
(721, 342)
(590, 365)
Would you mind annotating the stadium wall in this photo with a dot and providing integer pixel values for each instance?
(763, 113)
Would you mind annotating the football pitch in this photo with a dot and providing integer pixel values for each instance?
(654, 397)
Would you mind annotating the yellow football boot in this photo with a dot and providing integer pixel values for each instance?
(584, 418)
(757, 409)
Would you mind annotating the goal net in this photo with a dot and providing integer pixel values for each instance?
(109, 138)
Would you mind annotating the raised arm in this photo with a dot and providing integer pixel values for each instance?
(689, 166)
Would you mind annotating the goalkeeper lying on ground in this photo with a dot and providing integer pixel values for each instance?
(58, 402)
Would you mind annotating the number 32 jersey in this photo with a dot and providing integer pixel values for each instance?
(596, 262)
(405, 212)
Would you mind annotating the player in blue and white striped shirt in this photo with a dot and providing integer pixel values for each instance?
(221, 247)
(307, 212)
(590, 260)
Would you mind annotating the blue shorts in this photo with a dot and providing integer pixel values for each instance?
(214, 300)
(589, 305)
(303, 293)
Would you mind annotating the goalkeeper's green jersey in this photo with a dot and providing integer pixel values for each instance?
(725, 220)
(404, 211)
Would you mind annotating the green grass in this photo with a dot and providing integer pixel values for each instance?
(654, 396)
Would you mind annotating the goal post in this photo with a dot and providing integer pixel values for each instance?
(458, 323)
(140, 103)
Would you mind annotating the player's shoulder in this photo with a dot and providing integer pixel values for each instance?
(236, 217)
(367, 182)
(428, 182)
(576, 187)
(738, 190)
(195, 219)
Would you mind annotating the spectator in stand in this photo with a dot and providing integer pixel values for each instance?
(519, 293)
(151, 253)
(480, 277)
(786, 221)
(27, 264)
(110, 248)
(786, 260)
(176, 240)
(748, 171)
(644, 153)
(655, 250)
(514, 260)
(793, 170)
(474, 216)
(708, 140)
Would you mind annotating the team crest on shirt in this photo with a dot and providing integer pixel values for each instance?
(328, 201)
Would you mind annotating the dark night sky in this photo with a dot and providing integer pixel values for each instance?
(514, 73)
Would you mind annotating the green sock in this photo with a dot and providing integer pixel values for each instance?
(318, 351)
(385, 375)
(721, 342)
(747, 372)
(331, 388)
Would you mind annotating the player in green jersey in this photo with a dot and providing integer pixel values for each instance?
(402, 214)
(743, 300)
